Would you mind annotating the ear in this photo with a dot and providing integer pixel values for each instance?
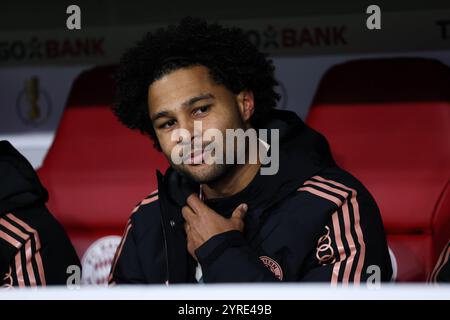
(246, 104)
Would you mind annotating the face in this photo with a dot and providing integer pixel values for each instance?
(190, 94)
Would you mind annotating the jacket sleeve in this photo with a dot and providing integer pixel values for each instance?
(227, 257)
(125, 267)
(26, 268)
(351, 248)
(37, 249)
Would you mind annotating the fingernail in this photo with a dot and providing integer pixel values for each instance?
(245, 206)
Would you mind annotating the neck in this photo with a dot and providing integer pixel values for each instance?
(235, 181)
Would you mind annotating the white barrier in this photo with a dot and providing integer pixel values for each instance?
(234, 292)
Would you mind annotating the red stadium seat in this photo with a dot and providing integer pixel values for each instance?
(388, 122)
(97, 170)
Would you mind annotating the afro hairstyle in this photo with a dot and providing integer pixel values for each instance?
(232, 60)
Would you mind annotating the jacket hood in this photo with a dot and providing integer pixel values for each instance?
(303, 152)
(20, 185)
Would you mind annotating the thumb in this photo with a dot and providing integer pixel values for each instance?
(240, 211)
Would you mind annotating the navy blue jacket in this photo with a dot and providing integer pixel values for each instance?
(34, 248)
(312, 221)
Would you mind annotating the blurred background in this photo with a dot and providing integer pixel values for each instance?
(40, 57)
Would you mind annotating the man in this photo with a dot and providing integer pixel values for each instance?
(227, 222)
(34, 249)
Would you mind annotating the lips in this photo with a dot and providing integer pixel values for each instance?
(197, 156)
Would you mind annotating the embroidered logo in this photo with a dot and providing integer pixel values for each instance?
(8, 279)
(97, 260)
(324, 251)
(273, 266)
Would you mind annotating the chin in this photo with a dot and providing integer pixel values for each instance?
(203, 173)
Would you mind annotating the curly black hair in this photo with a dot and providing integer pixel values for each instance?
(231, 58)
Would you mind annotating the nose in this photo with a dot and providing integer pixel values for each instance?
(194, 128)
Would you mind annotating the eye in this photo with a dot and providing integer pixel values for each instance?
(201, 110)
(167, 124)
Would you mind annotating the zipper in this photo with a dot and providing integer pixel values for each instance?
(166, 252)
(162, 207)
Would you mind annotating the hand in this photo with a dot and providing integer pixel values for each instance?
(202, 222)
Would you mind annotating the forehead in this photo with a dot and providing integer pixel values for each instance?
(174, 88)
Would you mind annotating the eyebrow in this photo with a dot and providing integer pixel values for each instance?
(187, 103)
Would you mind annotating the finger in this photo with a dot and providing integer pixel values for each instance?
(188, 214)
(240, 211)
(197, 205)
(189, 243)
